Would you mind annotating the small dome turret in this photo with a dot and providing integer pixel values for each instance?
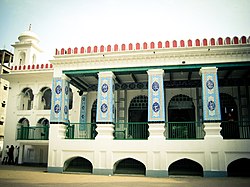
(28, 36)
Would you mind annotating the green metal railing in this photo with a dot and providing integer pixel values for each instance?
(185, 130)
(73, 131)
(235, 129)
(33, 133)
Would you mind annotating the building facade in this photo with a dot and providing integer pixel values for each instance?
(156, 109)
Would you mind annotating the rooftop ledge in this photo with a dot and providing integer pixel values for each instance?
(152, 45)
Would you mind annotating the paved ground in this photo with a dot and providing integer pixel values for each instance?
(20, 176)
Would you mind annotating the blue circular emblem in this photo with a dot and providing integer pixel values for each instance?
(104, 108)
(83, 116)
(66, 90)
(57, 108)
(211, 105)
(210, 84)
(58, 89)
(155, 86)
(156, 107)
(105, 88)
(83, 107)
(66, 110)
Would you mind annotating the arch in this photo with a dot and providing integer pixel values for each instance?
(130, 46)
(109, 48)
(228, 40)
(43, 130)
(235, 40)
(82, 50)
(123, 47)
(174, 43)
(88, 49)
(129, 166)
(181, 109)
(220, 41)
(185, 167)
(23, 129)
(78, 164)
(95, 49)
(243, 40)
(229, 117)
(115, 47)
(93, 120)
(24, 122)
(69, 51)
(182, 43)
(62, 51)
(102, 48)
(197, 43)
(137, 46)
(190, 43)
(138, 112)
(26, 99)
(212, 41)
(239, 168)
(204, 42)
(44, 98)
(145, 45)
(75, 50)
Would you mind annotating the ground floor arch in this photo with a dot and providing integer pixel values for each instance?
(239, 168)
(185, 167)
(78, 164)
(129, 166)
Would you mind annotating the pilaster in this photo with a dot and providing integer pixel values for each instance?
(105, 105)
(211, 102)
(156, 105)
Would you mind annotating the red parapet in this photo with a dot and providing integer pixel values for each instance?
(62, 51)
(145, 45)
(82, 50)
(42, 66)
(28, 66)
(46, 66)
(15, 68)
(75, 50)
(24, 67)
(51, 66)
(69, 51)
(227, 41)
(11, 67)
(167, 44)
(101, 48)
(37, 66)
(152, 45)
(235, 40)
(57, 52)
(123, 47)
(159, 45)
(212, 41)
(130, 46)
(174, 43)
(190, 43)
(88, 49)
(182, 43)
(137, 46)
(115, 47)
(197, 43)
(220, 41)
(33, 66)
(204, 42)
(95, 49)
(109, 48)
(20, 67)
(243, 40)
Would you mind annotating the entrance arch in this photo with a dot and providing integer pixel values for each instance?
(239, 168)
(181, 109)
(78, 164)
(185, 167)
(138, 113)
(129, 166)
(229, 117)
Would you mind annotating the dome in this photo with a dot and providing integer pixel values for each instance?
(28, 36)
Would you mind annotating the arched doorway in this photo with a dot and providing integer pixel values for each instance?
(239, 168)
(138, 114)
(43, 131)
(45, 93)
(93, 120)
(129, 166)
(181, 117)
(185, 167)
(229, 117)
(23, 129)
(78, 164)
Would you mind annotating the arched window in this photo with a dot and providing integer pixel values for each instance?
(23, 129)
(26, 99)
(42, 130)
(44, 99)
(22, 58)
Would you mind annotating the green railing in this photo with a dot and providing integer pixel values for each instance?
(235, 129)
(73, 131)
(185, 130)
(33, 133)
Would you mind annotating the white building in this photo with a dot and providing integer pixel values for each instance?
(156, 109)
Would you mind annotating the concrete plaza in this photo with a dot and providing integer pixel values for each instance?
(21, 176)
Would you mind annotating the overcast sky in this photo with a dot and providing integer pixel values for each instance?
(70, 23)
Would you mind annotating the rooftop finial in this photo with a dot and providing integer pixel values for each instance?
(30, 27)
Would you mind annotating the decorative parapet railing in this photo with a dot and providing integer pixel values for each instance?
(152, 45)
(235, 129)
(33, 133)
(32, 67)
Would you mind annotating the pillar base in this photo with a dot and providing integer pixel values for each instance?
(156, 131)
(212, 130)
(105, 131)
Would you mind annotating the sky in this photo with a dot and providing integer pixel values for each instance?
(76, 23)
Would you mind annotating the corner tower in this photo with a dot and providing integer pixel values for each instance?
(26, 50)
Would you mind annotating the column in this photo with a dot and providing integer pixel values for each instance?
(211, 102)
(83, 115)
(105, 105)
(156, 105)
